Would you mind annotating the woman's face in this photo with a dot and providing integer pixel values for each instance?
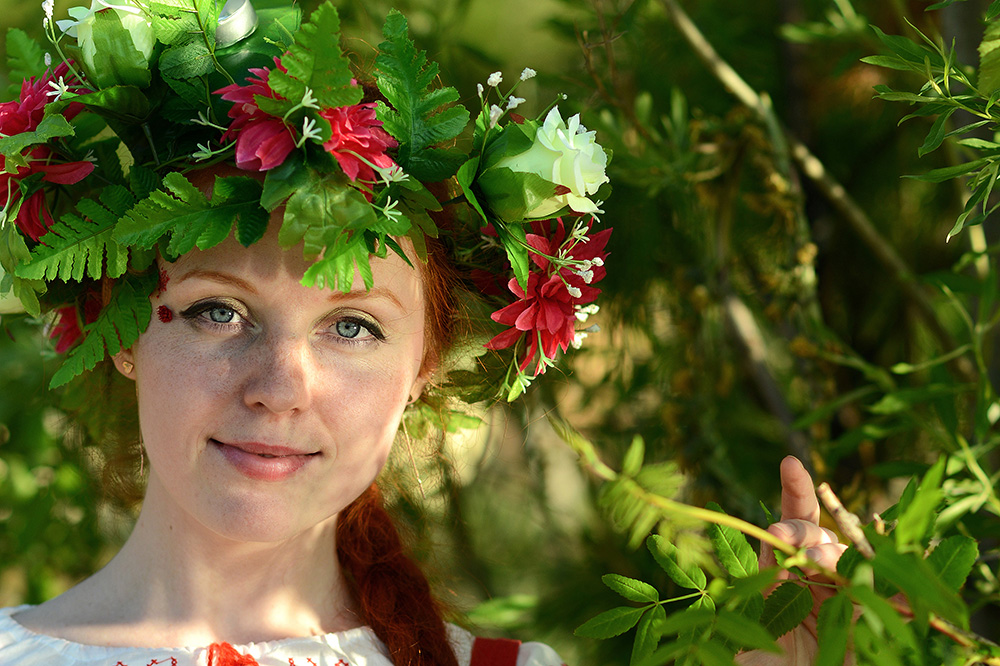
(266, 406)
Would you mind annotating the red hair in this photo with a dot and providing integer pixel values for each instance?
(393, 594)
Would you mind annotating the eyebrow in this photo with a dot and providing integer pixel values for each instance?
(216, 276)
(229, 279)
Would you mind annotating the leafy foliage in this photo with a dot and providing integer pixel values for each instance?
(72, 249)
(117, 327)
(417, 117)
(25, 59)
(181, 212)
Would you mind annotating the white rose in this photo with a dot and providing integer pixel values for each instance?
(132, 19)
(565, 154)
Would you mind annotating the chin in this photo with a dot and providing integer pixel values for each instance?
(262, 520)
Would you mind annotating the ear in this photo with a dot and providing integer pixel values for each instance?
(125, 363)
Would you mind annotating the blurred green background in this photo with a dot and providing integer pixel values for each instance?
(743, 318)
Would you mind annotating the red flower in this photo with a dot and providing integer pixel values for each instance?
(357, 134)
(545, 312)
(67, 330)
(24, 115)
(263, 141)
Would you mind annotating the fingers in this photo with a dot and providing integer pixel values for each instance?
(802, 533)
(798, 496)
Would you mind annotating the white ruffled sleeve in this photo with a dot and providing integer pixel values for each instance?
(538, 654)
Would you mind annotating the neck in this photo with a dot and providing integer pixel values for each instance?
(176, 582)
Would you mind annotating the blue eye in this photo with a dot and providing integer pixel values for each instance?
(348, 329)
(221, 315)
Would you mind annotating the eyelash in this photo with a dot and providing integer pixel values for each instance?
(198, 313)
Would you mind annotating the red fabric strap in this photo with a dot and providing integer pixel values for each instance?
(494, 652)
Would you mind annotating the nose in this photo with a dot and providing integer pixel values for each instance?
(279, 374)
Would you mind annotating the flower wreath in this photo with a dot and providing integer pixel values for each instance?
(145, 91)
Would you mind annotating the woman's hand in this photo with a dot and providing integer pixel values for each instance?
(799, 527)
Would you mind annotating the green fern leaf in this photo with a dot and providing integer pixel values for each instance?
(25, 59)
(315, 62)
(418, 117)
(116, 328)
(324, 213)
(181, 212)
(75, 247)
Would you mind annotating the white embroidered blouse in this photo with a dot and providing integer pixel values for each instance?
(20, 646)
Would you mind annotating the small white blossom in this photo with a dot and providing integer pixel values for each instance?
(48, 6)
(495, 79)
(574, 291)
(580, 129)
(393, 174)
(597, 261)
(584, 313)
(203, 152)
(308, 101)
(390, 210)
(495, 113)
(578, 339)
(202, 119)
(309, 132)
(90, 157)
(480, 90)
(588, 276)
(59, 88)
(48, 60)
(45, 22)
(514, 102)
(528, 73)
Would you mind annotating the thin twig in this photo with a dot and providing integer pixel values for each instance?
(848, 523)
(814, 169)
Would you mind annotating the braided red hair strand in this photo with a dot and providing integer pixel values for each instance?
(393, 594)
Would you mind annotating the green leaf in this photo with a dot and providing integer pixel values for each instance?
(993, 11)
(316, 62)
(953, 560)
(634, 457)
(989, 60)
(116, 60)
(187, 61)
(51, 127)
(25, 59)
(631, 589)
(732, 548)
(181, 212)
(647, 634)
(936, 134)
(947, 173)
(909, 50)
(689, 619)
(833, 628)
(515, 242)
(75, 247)
(744, 632)
(118, 326)
(882, 617)
(665, 554)
(915, 520)
(418, 116)
(610, 623)
(786, 607)
(914, 576)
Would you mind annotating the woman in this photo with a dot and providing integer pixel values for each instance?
(277, 311)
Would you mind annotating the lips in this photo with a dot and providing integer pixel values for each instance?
(263, 462)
